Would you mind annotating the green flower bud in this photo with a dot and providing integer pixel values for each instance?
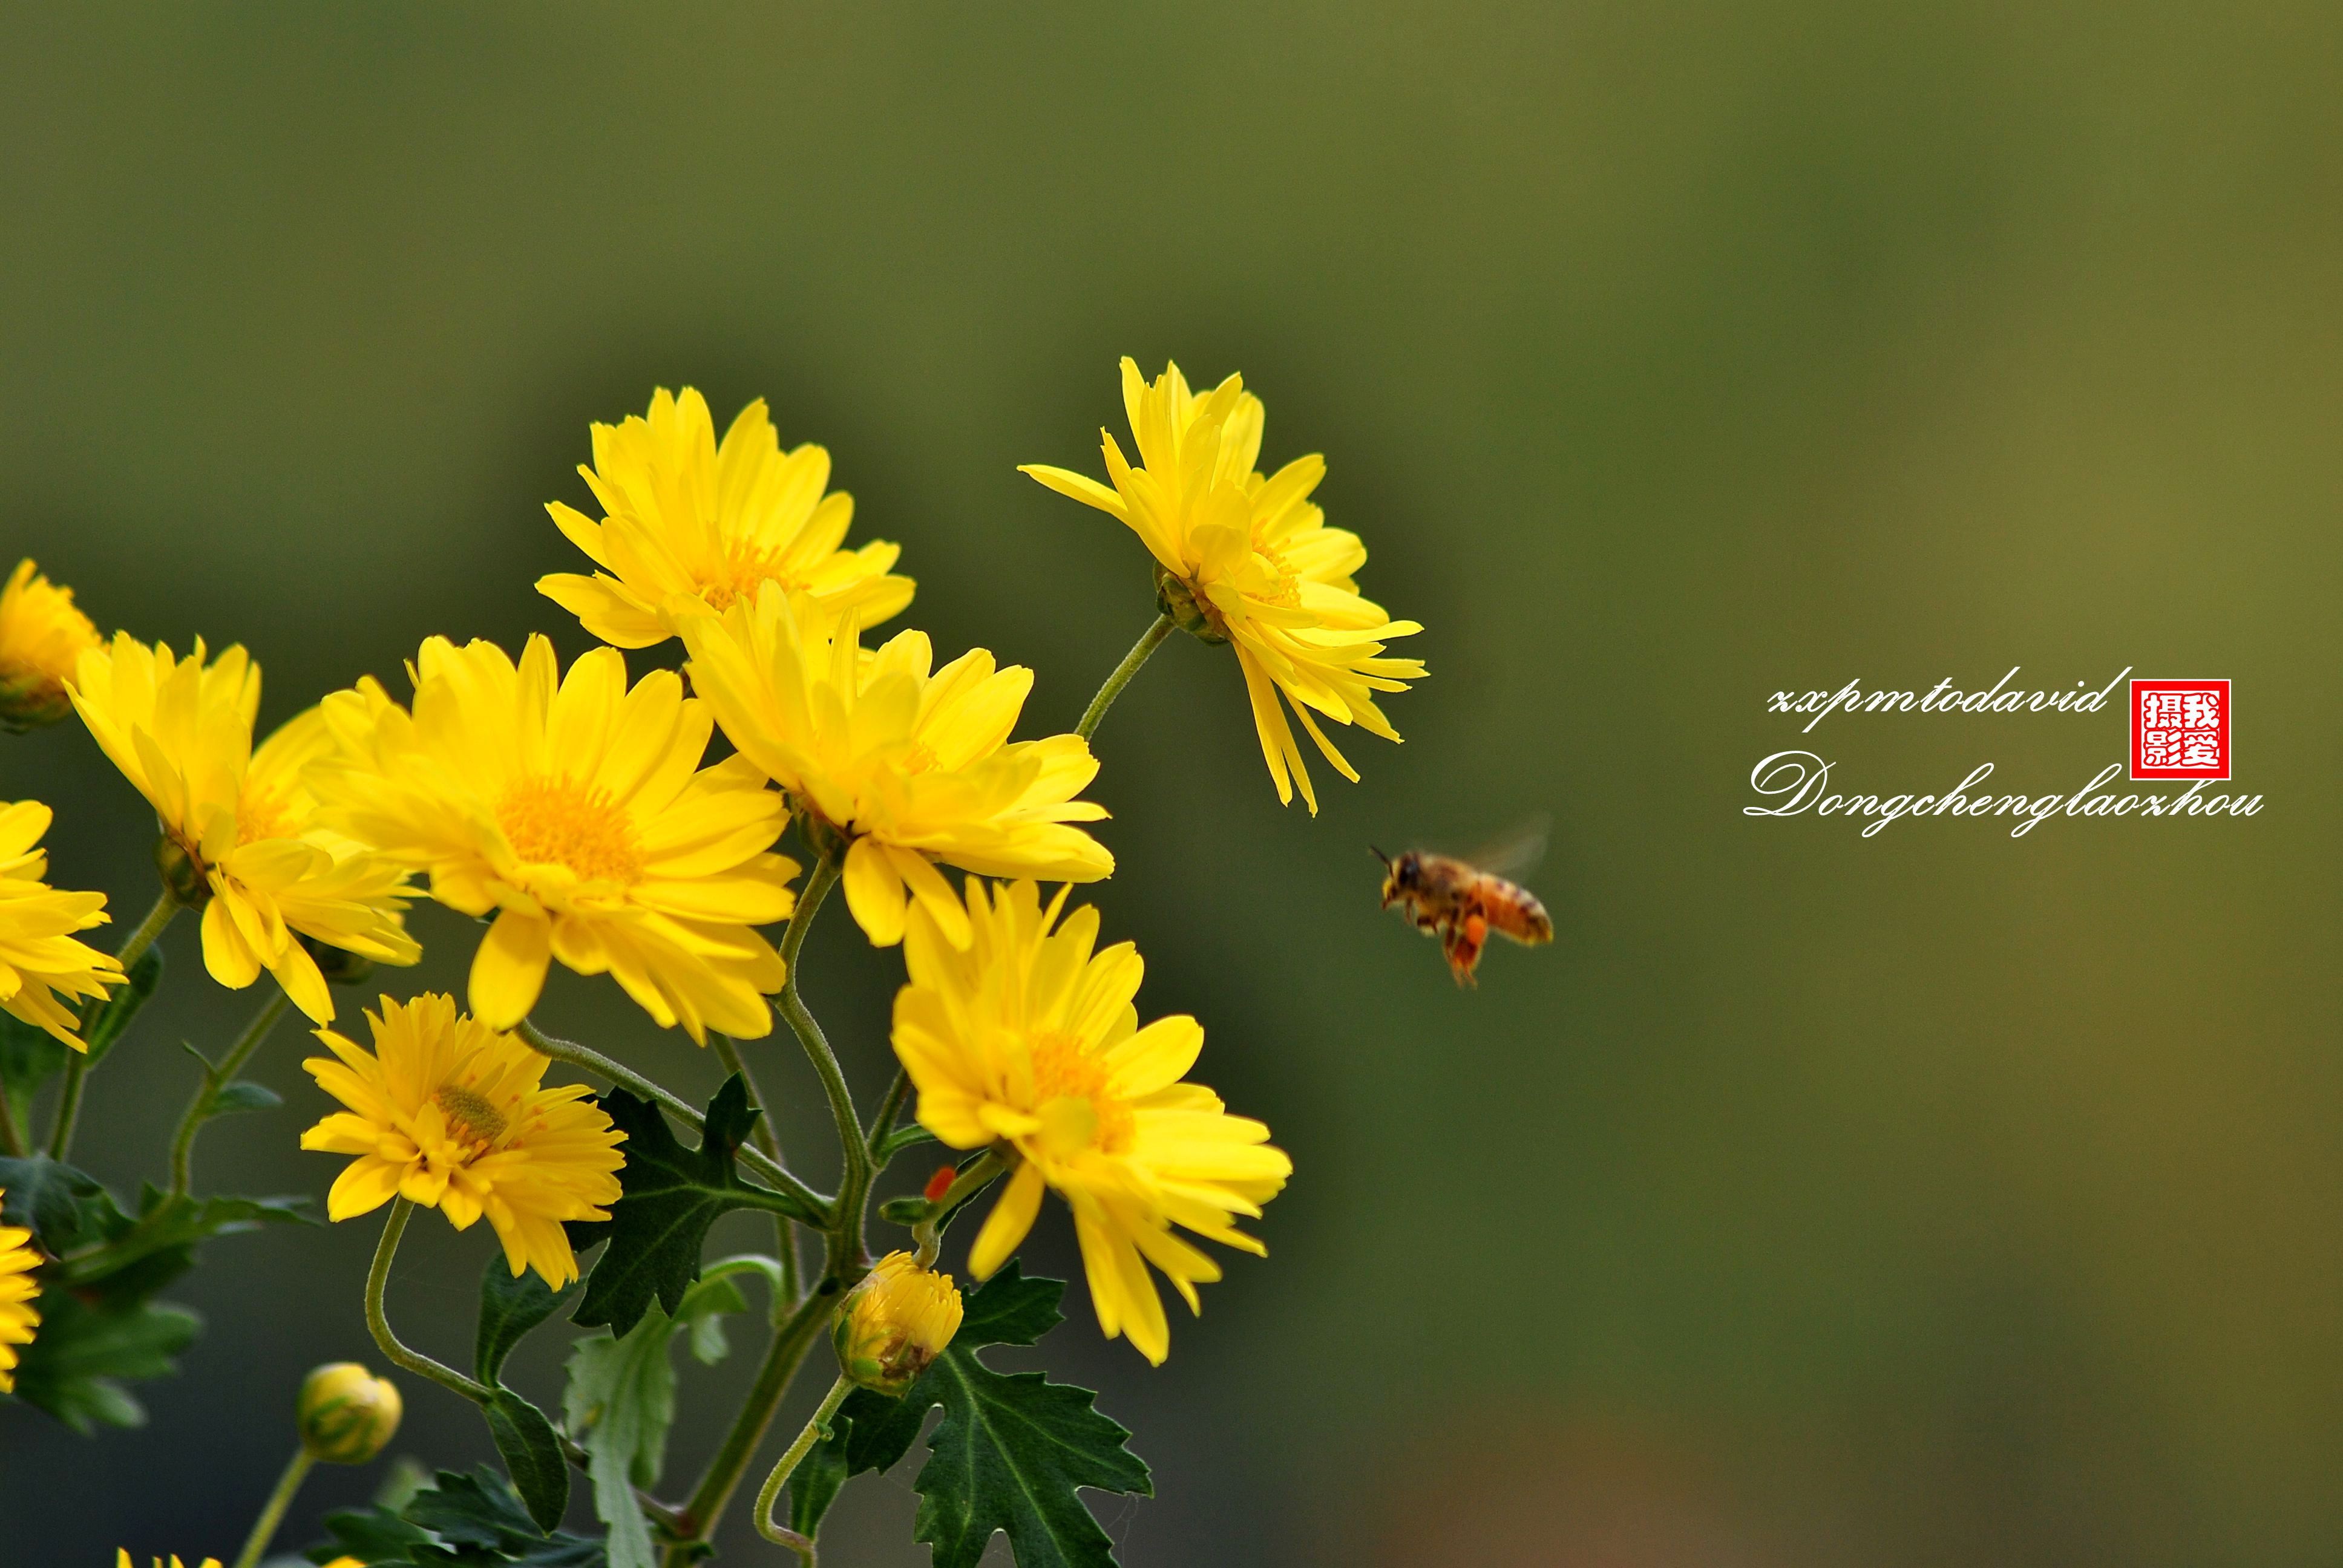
(347, 1414)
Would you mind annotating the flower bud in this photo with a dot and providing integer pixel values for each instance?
(183, 873)
(41, 637)
(1178, 600)
(347, 1414)
(893, 1325)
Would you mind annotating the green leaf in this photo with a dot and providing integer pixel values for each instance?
(672, 1196)
(84, 1351)
(245, 1095)
(621, 1404)
(463, 1521)
(815, 1483)
(157, 1246)
(1009, 1454)
(29, 1057)
(531, 1451)
(47, 1198)
(123, 1005)
(509, 1308)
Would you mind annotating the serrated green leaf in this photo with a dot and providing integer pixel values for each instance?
(671, 1196)
(85, 1352)
(509, 1308)
(47, 1198)
(531, 1451)
(244, 1095)
(1010, 1454)
(29, 1057)
(122, 1006)
(620, 1403)
(473, 1521)
(157, 1246)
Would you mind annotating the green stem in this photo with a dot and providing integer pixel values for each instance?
(215, 1077)
(627, 1078)
(888, 1111)
(1148, 642)
(815, 1431)
(854, 1179)
(12, 1137)
(263, 1529)
(133, 948)
(378, 1323)
(765, 1137)
(705, 1508)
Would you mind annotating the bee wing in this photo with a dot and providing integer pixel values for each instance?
(1517, 850)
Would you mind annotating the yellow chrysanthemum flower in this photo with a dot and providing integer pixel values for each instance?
(453, 1115)
(577, 811)
(1249, 560)
(42, 636)
(17, 1317)
(244, 820)
(1029, 1037)
(685, 516)
(41, 963)
(914, 764)
(895, 1323)
(122, 1560)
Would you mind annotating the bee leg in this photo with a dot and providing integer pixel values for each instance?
(1462, 946)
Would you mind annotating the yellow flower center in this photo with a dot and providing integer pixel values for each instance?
(1284, 588)
(1076, 1109)
(470, 1113)
(558, 822)
(261, 815)
(744, 571)
(919, 758)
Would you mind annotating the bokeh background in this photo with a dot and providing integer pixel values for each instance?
(1931, 1198)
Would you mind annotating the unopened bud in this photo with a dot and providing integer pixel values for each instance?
(895, 1323)
(184, 877)
(1178, 601)
(42, 636)
(347, 1414)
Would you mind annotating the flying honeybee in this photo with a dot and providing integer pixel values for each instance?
(1461, 901)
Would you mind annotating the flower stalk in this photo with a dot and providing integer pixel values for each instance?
(216, 1078)
(133, 948)
(263, 1529)
(379, 1322)
(1140, 652)
(770, 1493)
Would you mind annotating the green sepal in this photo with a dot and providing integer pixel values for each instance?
(1010, 1454)
(671, 1196)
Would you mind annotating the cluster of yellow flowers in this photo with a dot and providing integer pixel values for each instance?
(575, 813)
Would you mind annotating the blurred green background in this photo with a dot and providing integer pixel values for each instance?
(1931, 1198)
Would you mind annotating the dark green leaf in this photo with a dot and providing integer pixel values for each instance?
(509, 1308)
(531, 1451)
(463, 1521)
(158, 1245)
(47, 1198)
(659, 1227)
(245, 1095)
(1009, 1454)
(123, 1005)
(816, 1483)
(29, 1057)
(76, 1364)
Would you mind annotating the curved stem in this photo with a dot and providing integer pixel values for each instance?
(378, 1323)
(815, 1431)
(627, 1078)
(134, 948)
(215, 1077)
(845, 1251)
(705, 1506)
(1148, 641)
(263, 1529)
(766, 1138)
